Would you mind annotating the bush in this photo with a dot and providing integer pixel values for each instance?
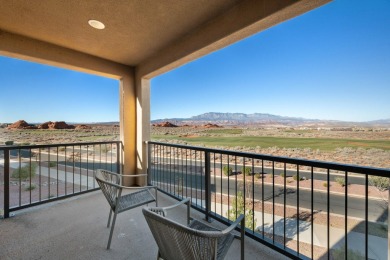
(295, 177)
(258, 175)
(52, 164)
(351, 254)
(340, 180)
(30, 187)
(381, 183)
(325, 184)
(24, 172)
(282, 174)
(74, 157)
(247, 171)
(9, 142)
(105, 148)
(227, 170)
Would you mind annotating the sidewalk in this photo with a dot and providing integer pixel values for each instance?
(377, 246)
(68, 177)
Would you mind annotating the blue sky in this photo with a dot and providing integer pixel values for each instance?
(39, 93)
(330, 63)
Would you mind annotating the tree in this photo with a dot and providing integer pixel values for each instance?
(238, 209)
(25, 172)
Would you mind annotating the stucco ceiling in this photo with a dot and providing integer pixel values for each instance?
(135, 29)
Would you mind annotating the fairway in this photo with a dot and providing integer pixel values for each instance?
(324, 144)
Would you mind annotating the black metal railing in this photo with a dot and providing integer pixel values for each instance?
(301, 208)
(36, 174)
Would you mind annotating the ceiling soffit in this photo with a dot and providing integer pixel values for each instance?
(134, 30)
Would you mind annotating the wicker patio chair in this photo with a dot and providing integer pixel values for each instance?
(194, 241)
(111, 186)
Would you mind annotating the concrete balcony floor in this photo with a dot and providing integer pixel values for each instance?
(75, 228)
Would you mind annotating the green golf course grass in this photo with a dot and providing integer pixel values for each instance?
(324, 144)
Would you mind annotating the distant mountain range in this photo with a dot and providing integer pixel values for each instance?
(251, 119)
(265, 119)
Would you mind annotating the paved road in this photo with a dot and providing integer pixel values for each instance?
(105, 161)
(317, 175)
(356, 205)
(109, 158)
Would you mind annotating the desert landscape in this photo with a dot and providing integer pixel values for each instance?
(56, 132)
(365, 145)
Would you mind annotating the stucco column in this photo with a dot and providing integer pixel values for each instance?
(128, 131)
(143, 126)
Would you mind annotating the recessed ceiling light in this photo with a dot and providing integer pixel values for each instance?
(96, 24)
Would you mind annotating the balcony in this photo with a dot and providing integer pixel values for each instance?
(75, 228)
(297, 208)
(294, 215)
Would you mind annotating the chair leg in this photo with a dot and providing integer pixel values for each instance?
(156, 197)
(112, 230)
(109, 218)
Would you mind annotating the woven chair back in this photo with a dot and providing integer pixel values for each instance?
(176, 241)
(107, 181)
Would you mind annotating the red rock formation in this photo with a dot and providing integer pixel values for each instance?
(21, 124)
(79, 127)
(209, 125)
(60, 125)
(55, 125)
(44, 125)
(165, 124)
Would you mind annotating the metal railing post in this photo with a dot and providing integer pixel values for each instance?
(207, 185)
(118, 160)
(122, 158)
(149, 152)
(388, 222)
(6, 182)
